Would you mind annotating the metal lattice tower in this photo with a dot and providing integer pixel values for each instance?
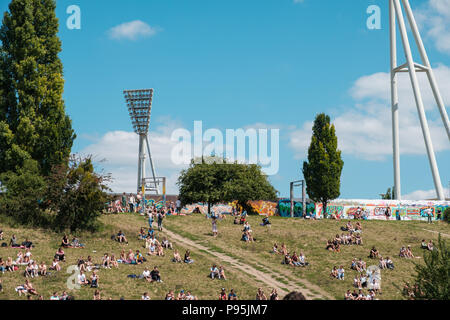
(396, 15)
(139, 103)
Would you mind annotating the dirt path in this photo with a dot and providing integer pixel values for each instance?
(272, 282)
(444, 234)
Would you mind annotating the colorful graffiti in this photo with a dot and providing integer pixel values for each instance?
(377, 209)
(266, 208)
(284, 209)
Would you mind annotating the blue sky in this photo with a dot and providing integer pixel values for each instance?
(238, 64)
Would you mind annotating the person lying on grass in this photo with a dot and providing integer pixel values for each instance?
(187, 257)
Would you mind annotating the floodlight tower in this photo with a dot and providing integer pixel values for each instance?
(139, 103)
(396, 14)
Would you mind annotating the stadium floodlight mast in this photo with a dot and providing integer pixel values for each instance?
(139, 103)
(396, 14)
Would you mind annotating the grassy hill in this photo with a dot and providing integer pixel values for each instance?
(309, 236)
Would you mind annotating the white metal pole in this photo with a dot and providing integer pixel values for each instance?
(141, 151)
(394, 100)
(151, 165)
(426, 62)
(419, 102)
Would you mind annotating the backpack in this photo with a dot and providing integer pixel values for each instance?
(4, 245)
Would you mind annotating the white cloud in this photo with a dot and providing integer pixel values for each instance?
(434, 18)
(424, 194)
(132, 30)
(119, 149)
(365, 130)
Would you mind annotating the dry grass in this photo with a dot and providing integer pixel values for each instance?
(114, 283)
(311, 237)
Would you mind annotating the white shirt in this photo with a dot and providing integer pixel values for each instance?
(146, 273)
(82, 277)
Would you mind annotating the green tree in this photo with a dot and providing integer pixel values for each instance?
(212, 180)
(77, 194)
(433, 277)
(389, 195)
(323, 169)
(33, 123)
(23, 195)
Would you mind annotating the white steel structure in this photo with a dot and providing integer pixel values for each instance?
(139, 103)
(396, 15)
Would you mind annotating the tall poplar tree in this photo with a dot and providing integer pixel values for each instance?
(33, 123)
(323, 169)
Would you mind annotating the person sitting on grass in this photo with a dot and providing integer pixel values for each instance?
(330, 246)
(260, 294)
(60, 255)
(42, 269)
(121, 237)
(358, 239)
(374, 253)
(176, 256)
(334, 272)
(430, 245)
(97, 295)
(170, 296)
(27, 244)
(275, 248)
(131, 258)
(1, 234)
(247, 227)
(76, 243)
(106, 261)
(113, 261)
(265, 222)
(348, 296)
(29, 271)
(236, 220)
(151, 249)
(55, 265)
(142, 234)
(274, 295)
(146, 275)
(360, 265)
(181, 295)
(54, 296)
(302, 259)
(145, 296)
(295, 259)
(138, 257)
(214, 272)
(82, 280)
(166, 244)
(382, 264)
(223, 294)
(187, 257)
(353, 264)
(94, 279)
(155, 275)
(341, 273)
(159, 250)
(232, 295)
(402, 253)
(222, 273)
(65, 242)
(409, 253)
(245, 237)
(288, 260)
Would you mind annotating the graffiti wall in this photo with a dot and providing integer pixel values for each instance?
(383, 209)
(203, 207)
(266, 208)
(284, 208)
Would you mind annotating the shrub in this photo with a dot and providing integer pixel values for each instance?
(446, 215)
